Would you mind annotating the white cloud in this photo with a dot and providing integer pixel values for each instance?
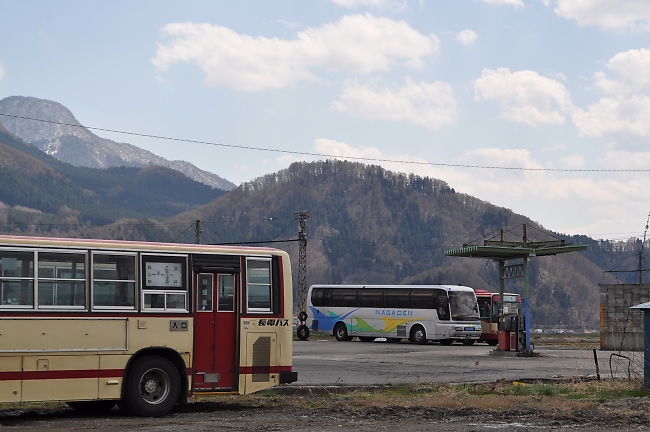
(357, 3)
(546, 2)
(606, 14)
(2, 72)
(525, 96)
(358, 44)
(634, 68)
(432, 105)
(627, 111)
(516, 3)
(574, 161)
(350, 4)
(620, 115)
(466, 37)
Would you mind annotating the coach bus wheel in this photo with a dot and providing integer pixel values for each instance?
(303, 332)
(341, 333)
(302, 316)
(97, 406)
(418, 335)
(446, 342)
(468, 342)
(152, 387)
(366, 339)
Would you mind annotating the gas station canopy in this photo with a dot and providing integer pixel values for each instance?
(499, 250)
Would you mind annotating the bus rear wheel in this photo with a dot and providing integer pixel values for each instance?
(418, 335)
(341, 333)
(152, 387)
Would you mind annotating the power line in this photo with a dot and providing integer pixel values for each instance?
(301, 153)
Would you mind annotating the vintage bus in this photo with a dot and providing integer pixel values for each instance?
(420, 313)
(488, 306)
(97, 323)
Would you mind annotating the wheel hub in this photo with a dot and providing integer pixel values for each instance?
(150, 386)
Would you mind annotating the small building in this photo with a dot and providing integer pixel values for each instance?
(621, 325)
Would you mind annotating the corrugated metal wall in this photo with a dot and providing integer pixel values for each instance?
(621, 328)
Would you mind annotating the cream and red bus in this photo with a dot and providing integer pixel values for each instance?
(490, 307)
(97, 323)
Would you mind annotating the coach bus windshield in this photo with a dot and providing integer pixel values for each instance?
(463, 306)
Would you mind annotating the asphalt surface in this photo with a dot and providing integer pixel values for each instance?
(373, 363)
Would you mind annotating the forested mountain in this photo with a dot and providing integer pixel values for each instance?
(367, 226)
(34, 180)
(371, 226)
(61, 136)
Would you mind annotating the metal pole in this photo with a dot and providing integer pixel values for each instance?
(646, 354)
(302, 262)
(527, 305)
(502, 288)
(197, 232)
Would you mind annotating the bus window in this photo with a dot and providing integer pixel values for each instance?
(370, 298)
(17, 278)
(61, 280)
(422, 299)
(463, 305)
(258, 284)
(344, 298)
(225, 300)
(485, 308)
(113, 281)
(397, 298)
(441, 304)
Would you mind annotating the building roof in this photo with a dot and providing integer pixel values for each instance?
(513, 250)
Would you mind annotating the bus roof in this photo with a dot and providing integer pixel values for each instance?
(445, 287)
(53, 242)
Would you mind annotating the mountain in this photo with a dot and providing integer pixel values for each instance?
(368, 225)
(78, 146)
(31, 179)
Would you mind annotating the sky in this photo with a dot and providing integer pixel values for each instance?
(539, 106)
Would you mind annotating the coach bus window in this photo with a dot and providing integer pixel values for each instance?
(442, 304)
(396, 298)
(164, 285)
(370, 298)
(113, 281)
(344, 298)
(463, 305)
(61, 280)
(17, 279)
(422, 299)
(258, 285)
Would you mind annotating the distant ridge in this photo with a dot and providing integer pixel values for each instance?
(80, 147)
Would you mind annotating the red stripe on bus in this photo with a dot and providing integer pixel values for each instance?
(61, 374)
(249, 370)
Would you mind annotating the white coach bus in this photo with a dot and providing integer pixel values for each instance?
(420, 313)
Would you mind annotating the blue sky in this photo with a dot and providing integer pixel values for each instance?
(536, 84)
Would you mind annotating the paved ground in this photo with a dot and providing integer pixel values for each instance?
(368, 363)
(325, 363)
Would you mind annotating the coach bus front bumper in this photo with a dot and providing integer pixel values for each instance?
(465, 332)
(288, 377)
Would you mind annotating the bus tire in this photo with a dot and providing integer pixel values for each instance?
(302, 316)
(153, 387)
(468, 342)
(302, 332)
(96, 406)
(341, 333)
(366, 339)
(446, 342)
(418, 335)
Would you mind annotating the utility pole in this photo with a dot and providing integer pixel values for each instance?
(197, 232)
(302, 330)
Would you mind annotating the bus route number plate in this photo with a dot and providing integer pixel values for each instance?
(178, 325)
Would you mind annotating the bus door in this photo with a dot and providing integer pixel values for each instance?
(215, 333)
